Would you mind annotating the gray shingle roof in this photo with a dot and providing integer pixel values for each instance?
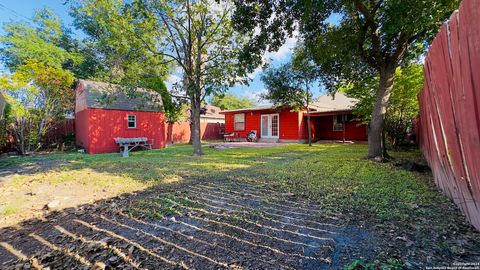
(102, 95)
(324, 103)
(340, 102)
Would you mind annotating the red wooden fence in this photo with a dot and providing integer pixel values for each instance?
(180, 131)
(450, 109)
(59, 131)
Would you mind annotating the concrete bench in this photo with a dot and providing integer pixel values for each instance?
(128, 144)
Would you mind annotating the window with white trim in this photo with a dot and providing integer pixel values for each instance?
(239, 122)
(132, 121)
(338, 123)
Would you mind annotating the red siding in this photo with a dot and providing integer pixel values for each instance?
(81, 128)
(105, 125)
(289, 123)
(449, 124)
(322, 129)
(293, 126)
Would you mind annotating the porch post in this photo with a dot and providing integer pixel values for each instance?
(344, 126)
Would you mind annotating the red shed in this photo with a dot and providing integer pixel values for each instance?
(103, 112)
(331, 119)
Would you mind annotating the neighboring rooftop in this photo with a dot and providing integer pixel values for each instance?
(102, 95)
(326, 103)
(212, 112)
(338, 102)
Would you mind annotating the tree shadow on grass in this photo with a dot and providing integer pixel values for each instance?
(192, 224)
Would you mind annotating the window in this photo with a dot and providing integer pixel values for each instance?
(132, 121)
(350, 118)
(239, 122)
(338, 123)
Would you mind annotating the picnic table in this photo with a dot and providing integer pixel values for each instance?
(128, 144)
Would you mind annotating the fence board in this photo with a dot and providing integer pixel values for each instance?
(449, 123)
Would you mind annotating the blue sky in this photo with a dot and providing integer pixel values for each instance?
(18, 10)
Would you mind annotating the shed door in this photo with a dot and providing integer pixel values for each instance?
(270, 125)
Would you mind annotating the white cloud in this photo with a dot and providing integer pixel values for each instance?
(172, 79)
(255, 95)
(283, 51)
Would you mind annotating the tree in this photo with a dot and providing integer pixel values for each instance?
(402, 106)
(43, 42)
(371, 39)
(196, 36)
(38, 95)
(173, 107)
(290, 84)
(37, 87)
(231, 102)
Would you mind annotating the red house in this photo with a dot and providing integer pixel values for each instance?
(104, 112)
(331, 119)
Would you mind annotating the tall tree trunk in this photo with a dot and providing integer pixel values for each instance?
(376, 147)
(190, 141)
(196, 141)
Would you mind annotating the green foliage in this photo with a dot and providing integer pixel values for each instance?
(371, 39)
(145, 38)
(285, 87)
(403, 103)
(289, 84)
(43, 42)
(40, 58)
(231, 102)
(112, 37)
(369, 36)
(360, 265)
(172, 107)
(38, 96)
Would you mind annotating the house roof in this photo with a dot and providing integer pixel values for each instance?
(213, 112)
(338, 102)
(326, 103)
(257, 108)
(102, 95)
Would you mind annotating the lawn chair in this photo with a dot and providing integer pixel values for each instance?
(228, 137)
(252, 136)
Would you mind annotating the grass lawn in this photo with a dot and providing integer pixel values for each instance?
(412, 222)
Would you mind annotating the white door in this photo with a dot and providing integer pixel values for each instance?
(269, 125)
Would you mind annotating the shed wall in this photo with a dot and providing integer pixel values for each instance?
(105, 125)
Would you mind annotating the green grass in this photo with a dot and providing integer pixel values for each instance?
(338, 176)
(9, 210)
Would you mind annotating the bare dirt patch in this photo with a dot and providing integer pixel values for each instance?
(201, 226)
(34, 189)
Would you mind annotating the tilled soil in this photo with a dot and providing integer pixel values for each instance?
(208, 226)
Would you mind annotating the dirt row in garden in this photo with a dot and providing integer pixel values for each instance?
(198, 226)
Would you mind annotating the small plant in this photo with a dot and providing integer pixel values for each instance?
(9, 210)
(358, 264)
(392, 264)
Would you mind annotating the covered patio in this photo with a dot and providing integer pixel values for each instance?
(336, 126)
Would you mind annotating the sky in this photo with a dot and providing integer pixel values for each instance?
(22, 10)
